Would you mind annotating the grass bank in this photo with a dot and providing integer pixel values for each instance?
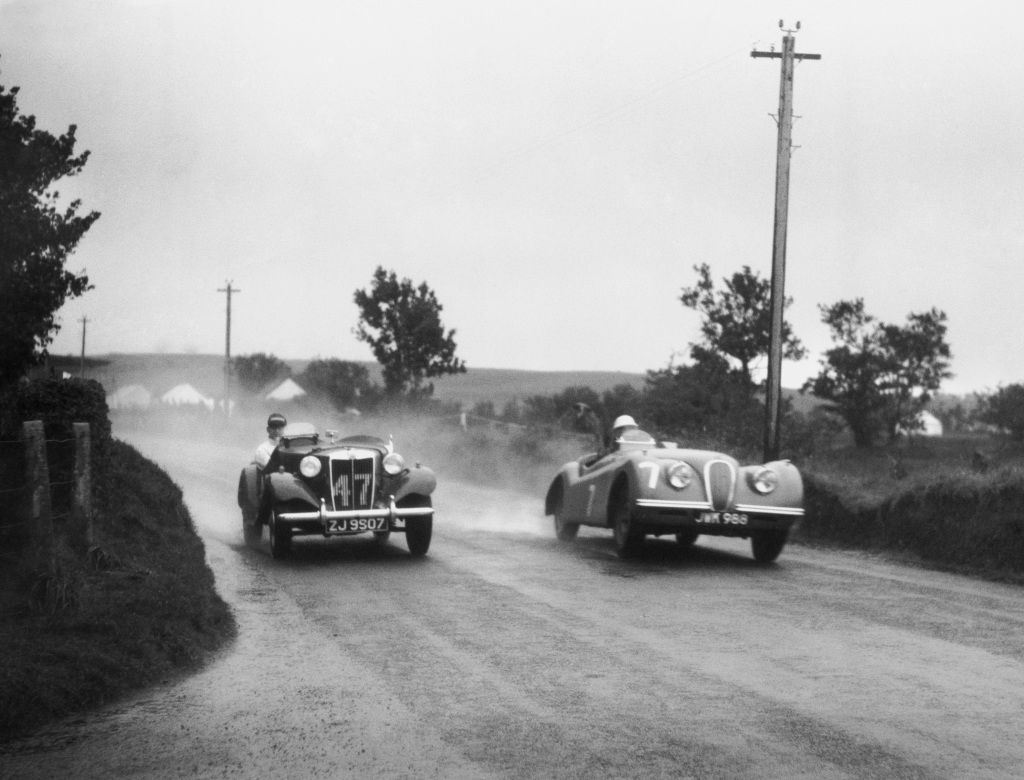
(137, 605)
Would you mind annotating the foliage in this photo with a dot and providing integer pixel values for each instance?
(737, 319)
(37, 234)
(345, 384)
(402, 325)
(256, 371)
(139, 605)
(879, 376)
(1004, 409)
(59, 403)
(705, 398)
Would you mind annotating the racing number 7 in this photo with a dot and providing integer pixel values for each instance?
(652, 479)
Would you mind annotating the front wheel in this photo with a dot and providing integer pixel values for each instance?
(251, 530)
(766, 545)
(686, 538)
(629, 535)
(280, 537)
(418, 530)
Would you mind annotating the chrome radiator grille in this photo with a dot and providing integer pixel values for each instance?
(352, 482)
(720, 480)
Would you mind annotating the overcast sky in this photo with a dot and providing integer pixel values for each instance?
(552, 169)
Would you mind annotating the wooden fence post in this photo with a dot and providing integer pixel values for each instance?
(38, 473)
(81, 508)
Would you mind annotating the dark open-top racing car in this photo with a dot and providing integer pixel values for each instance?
(643, 487)
(337, 487)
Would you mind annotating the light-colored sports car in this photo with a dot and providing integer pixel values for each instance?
(644, 487)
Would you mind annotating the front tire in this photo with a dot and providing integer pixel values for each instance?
(251, 530)
(418, 530)
(629, 535)
(686, 538)
(280, 537)
(766, 545)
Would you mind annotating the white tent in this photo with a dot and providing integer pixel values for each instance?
(130, 397)
(186, 395)
(288, 390)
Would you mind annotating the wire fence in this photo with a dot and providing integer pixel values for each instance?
(45, 489)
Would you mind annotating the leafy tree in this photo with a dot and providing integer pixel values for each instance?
(738, 319)
(258, 370)
(344, 383)
(879, 376)
(402, 325)
(36, 236)
(1004, 409)
(706, 398)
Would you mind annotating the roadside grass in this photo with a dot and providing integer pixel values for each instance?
(135, 607)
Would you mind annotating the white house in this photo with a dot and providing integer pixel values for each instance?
(927, 425)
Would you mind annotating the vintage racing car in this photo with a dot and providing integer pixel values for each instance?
(643, 487)
(335, 487)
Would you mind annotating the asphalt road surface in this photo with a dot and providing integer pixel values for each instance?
(506, 654)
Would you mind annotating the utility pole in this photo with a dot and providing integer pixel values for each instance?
(81, 364)
(227, 348)
(784, 150)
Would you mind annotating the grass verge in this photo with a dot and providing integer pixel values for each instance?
(137, 605)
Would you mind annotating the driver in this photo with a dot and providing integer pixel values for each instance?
(622, 424)
(275, 427)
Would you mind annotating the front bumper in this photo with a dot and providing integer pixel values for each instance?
(671, 516)
(319, 521)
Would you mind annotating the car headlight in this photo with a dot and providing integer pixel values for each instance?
(309, 466)
(764, 480)
(679, 475)
(393, 464)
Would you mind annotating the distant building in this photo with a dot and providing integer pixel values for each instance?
(288, 390)
(927, 425)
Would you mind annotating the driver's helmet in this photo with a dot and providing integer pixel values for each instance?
(624, 421)
(276, 421)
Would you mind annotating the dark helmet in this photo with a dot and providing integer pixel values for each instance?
(276, 421)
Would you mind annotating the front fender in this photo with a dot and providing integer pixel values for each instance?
(419, 481)
(282, 486)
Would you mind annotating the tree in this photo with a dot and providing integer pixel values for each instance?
(402, 325)
(737, 319)
(706, 397)
(1004, 409)
(879, 376)
(258, 370)
(344, 383)
(37, 235)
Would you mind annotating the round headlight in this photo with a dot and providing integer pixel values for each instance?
(393, 463)
(765, 481)
(679, 475)
(309, 466)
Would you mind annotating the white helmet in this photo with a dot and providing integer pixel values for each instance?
(624, 421)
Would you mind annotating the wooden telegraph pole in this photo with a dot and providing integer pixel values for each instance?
(778, 295)
(81, 364)
(227, 348)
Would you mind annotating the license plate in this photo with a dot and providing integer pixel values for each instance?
(356, 524)
(722, 518)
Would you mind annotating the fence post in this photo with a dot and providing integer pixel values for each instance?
(82, 504)
(39, 483)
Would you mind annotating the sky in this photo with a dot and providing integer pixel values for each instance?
(554, 170)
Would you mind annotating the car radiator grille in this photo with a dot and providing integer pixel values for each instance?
(352, 483)
(720, 478)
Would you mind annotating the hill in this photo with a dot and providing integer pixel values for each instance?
(160, 372)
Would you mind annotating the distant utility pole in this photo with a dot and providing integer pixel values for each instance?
(773, 414)
(227, 348)
(81, 364)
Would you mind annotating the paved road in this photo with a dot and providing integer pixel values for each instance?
(506, 654)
